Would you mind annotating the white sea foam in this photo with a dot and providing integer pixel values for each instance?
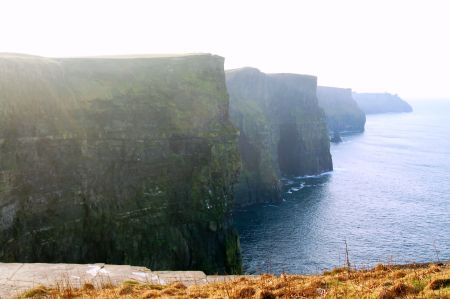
(314, 176)
(272, 206)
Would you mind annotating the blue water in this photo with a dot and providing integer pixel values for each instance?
(388, 198)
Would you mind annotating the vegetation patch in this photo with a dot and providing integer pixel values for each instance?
(440, 283)
(36, 292)
(383, 282)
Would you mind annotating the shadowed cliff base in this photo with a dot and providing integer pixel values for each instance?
(282, 131)
(118, 160)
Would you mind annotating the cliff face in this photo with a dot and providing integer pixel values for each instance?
(372, 103)
(117, 160)
(341, 110)
(282, 131)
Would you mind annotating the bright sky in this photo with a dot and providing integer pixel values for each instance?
(398, 46)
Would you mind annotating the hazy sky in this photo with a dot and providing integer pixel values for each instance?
(382, 45)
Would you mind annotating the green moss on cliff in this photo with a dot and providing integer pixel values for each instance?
(118, 161)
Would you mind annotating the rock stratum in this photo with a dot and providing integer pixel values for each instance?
(373, 103)
(122, 160)
(282, 131)
(342, 112)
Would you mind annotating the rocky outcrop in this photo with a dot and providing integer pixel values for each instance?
(282, 131)
(119, 160)
(372, 103)
(341, 110)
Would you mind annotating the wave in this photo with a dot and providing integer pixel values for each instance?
(271, 206)
(314, 176)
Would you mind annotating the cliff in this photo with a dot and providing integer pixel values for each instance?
(341, 110)
(123, 160)
(282, 131)
(372, 103)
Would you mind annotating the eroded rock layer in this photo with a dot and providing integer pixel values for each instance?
(119, 160)
(282, 131)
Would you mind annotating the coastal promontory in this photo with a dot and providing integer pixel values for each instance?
(342, 112)
(282, 131)
(373, 103)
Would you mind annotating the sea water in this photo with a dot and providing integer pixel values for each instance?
(387, 201)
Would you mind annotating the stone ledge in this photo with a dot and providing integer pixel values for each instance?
(16, 278)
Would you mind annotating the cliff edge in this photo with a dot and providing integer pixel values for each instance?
(282, 131)
(341, 110)
(117, 160)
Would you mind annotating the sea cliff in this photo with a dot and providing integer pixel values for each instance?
(122, 160)
(282, 131)
(342, 112)
(372, 103)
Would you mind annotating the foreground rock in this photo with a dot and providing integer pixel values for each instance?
(16, 278)
(342, 112)
(372, 103)
(117, 160)
(282, 131)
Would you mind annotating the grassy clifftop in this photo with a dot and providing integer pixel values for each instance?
(119, 160)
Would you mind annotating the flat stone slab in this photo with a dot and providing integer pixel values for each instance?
(8, 270)
(18, 278)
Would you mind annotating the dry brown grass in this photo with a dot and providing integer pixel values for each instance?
(383, 282)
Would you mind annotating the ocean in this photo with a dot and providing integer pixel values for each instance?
(388, 199)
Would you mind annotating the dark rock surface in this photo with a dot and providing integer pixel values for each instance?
(372, 103)
(336, 137)
(282, 131)
(125, 160)
(341, 110)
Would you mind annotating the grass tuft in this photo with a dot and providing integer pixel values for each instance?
(439, 284)
(131, 282)
(36, 292)
(266, 295)
(125, 290)
(247, 292)
(88, 287)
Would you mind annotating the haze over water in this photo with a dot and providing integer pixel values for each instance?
(389, 197)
